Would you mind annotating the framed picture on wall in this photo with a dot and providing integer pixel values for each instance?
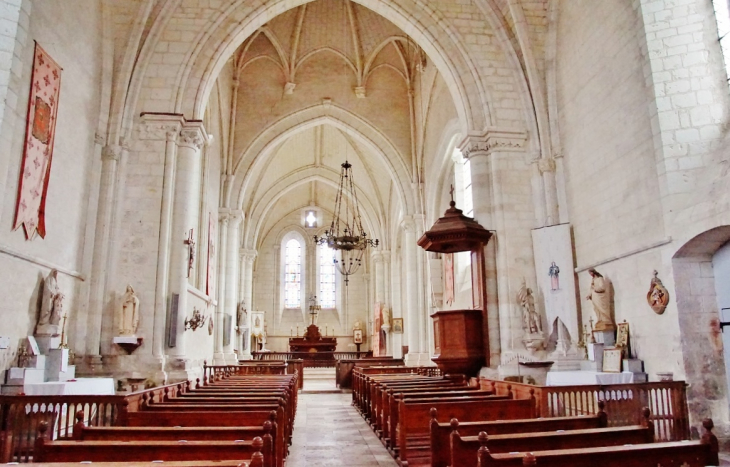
(612, 360)
(397, 325)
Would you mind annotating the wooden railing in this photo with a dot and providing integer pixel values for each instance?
(666, 400)
(21, 415)
(252, 367)
(312, 359)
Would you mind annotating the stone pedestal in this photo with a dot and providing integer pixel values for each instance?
(636, 366)
(607, 338)
(48, 330)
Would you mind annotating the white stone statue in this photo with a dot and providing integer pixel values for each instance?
(129, 313)
(601, 300)
(51, 306)
(386, 316)
(531, 322)
(357, 325)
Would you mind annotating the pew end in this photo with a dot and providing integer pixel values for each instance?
(529, 459)
(710, 439)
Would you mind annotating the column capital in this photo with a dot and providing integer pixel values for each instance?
(408, 224)
(193, 135)
(233, 216)
(376, 256)
(493, 139)
(385, 254)
(160, 127)
(546, 164)
(111, 153)
(248, 255)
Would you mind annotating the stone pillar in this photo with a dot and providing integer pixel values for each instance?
(491, 153)
(396, 294)
(423, 316)
(377, 258)
(412, 321)
(219, 353)
(110, 156)
(231, 277)
(246, 293)
(185, 216)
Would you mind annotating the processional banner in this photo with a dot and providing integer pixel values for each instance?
(37, 154)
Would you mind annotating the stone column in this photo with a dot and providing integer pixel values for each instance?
(185, 216)
(219, 355)
(485, 152)
(411, 321)
(423, 316)
(379, 278)
(396, 300)
(231, 303)
(110, 156)
(246, 293)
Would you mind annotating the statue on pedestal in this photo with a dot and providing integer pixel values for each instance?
(534, 338)
(601, 300)
(51, 306)
(129, 313)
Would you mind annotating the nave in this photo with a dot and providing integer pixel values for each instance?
(328, 431)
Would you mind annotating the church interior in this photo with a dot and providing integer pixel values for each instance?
(526, 193)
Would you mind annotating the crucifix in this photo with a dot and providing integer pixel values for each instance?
(313, 308)
(451, 192)
(190, 242)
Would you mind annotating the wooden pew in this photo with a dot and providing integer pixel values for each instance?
(673, 454)
(441, 432)
(462, 448)
(380, 390)
(143, 451)
(412, 433)
(165, 433)
(344, 368)
(214, 419)
(147, 464)
(391, 420)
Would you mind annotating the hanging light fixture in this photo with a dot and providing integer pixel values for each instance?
(346, 234)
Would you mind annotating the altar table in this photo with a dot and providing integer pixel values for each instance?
(573, 378)
(79, 386)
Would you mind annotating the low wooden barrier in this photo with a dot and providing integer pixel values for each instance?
(20, 416)
(311, 359)
(666, 400)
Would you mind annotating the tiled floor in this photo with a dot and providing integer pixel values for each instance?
(328, 431)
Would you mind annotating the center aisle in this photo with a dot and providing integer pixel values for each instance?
(328, 431)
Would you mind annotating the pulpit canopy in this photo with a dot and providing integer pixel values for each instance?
(454, 232)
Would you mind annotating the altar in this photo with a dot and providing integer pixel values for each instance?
(312, 342)
(573, 378)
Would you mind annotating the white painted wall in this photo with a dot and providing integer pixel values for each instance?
(74, 41)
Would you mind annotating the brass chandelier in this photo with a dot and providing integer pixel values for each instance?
(346, 234)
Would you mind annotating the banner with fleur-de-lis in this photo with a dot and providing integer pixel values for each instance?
(37, 154)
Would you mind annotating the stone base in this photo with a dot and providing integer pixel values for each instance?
(633, 365)
(418, 359)
(20, 376)
(48, 330)
(57, 363)
(607, 337)
(219, 359)
(231, 359)
(588, 365)
(47, 342)
(245, 357)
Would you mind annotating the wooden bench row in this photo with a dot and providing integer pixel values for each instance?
(486, 430)
(237, 419)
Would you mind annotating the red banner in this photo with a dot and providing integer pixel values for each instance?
(37, 154)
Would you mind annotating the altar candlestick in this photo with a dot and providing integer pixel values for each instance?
(291, 331)
(297, 330)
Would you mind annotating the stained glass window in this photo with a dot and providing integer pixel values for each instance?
(293, 274)
(327, 278)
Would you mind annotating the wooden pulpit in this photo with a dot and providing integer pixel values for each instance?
(461, 337)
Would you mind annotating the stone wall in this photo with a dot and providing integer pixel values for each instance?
(74, 41)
